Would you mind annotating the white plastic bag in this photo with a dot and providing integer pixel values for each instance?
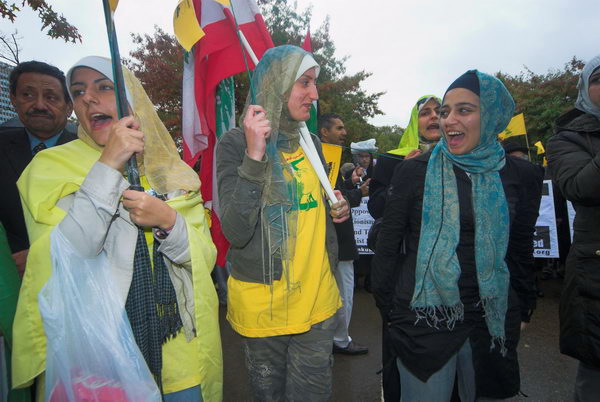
(91, 353)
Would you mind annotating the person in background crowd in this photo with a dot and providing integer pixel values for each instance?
(421, 134)
(282, 294)
(333, 131)
(574, 162)
(522, 265)
(362, 156)
(346, 167)
(39, 95)
(515, 149)
(451, 308)
(78, 190)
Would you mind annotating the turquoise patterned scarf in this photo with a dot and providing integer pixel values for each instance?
(436, 297)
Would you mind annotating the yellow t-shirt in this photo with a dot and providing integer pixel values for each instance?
(307, 294)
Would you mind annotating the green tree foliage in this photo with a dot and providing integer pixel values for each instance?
(543, 97)
(58, 26)
(387, 137)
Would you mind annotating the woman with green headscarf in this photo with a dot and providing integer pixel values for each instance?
(463, 213)
(156, 243)
(421, 135)
(282, 294)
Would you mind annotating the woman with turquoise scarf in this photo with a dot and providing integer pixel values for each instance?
(448, 300)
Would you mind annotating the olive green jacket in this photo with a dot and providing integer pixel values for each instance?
(240, 184)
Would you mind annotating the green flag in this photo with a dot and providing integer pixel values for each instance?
(225, 107)
(9, 293)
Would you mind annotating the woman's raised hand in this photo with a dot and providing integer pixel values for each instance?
(257, 129)
(125, 139)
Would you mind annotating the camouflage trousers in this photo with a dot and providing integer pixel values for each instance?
(291, 367)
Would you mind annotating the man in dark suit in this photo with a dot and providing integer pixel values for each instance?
(38, 92)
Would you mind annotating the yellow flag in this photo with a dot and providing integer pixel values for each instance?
(226, 3)
(113, 4)
(540, 148)
(186, 26)
(515, 127)
(333, 157)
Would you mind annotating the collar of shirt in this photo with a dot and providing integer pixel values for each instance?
(34, 141)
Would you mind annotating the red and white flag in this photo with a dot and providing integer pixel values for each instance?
(216, 56)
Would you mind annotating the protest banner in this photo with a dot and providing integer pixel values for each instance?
(571, 213)
(363, 221)
(545, 238)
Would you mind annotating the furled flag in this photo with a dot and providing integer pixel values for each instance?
(113, 5)
(216, 56)
(311, 123)
(515, 127)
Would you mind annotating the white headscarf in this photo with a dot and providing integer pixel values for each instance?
(308, 62)
(583, 100)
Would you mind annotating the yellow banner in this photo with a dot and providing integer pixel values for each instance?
(515, 127)
(540, 148)
(186, 26)
(333, 157)
(226, 3)
(113, 4)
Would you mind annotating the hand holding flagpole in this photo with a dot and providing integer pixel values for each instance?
(133, 174)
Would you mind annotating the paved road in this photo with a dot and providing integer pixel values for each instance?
(546, 375)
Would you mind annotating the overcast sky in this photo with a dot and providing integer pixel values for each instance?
(412, 48)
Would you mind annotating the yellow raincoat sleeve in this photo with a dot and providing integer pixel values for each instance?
(52, 175)
(203, 254)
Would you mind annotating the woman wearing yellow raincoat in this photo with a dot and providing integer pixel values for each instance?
(79, 189)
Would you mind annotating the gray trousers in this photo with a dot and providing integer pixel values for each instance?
(291, 367)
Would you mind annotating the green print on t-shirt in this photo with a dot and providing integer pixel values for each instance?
(307, 201)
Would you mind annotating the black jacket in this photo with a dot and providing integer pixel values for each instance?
(383, 172)
(423, 349)
(345, 230)
(15, 155)
(574, 160)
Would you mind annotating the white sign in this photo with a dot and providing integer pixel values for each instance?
(363, 221)
(545, 238)
(571, 213)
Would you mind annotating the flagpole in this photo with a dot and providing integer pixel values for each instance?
(131, 168)
(527, 142)
(246, 45)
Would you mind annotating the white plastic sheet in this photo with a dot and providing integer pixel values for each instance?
(91, 353)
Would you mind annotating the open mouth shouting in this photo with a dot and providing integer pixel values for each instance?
(433, 127)
(98, 121)
(455, 138)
